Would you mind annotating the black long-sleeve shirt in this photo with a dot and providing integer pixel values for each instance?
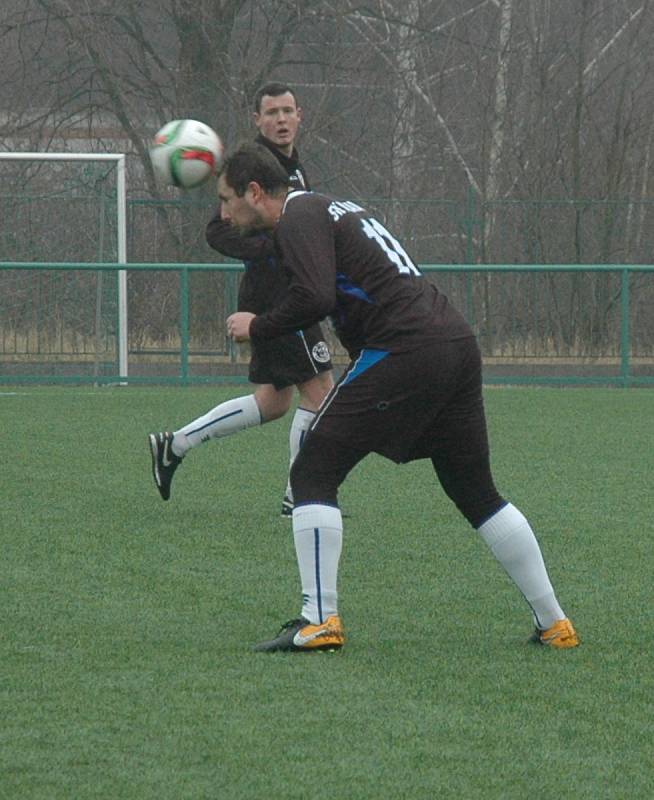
(264, 283)
(342, 263)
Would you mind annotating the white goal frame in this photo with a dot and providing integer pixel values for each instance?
(121, 221)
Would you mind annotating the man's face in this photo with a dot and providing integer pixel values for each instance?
(278, 120)
(241, 212)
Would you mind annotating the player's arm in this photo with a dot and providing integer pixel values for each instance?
(223, 237)
(305, 239)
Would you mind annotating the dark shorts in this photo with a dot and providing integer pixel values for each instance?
(407, 406)
(289, 360)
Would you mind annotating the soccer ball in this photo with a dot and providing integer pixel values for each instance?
(186, 153)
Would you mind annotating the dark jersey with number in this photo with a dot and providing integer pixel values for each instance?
(343, 263)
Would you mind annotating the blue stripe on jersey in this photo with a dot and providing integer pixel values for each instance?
(344, 284)
(367, 358)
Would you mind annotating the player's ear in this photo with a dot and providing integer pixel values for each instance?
(257, 119)
(255, 190)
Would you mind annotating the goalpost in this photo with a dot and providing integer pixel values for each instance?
(121, 223)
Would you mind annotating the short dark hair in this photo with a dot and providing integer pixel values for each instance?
(272, 89)
(253, 162)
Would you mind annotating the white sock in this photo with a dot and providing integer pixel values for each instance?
(318, 534)
(512, 541)
(301, 423)
(223, 420)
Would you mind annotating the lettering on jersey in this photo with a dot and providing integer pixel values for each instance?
(341, 207)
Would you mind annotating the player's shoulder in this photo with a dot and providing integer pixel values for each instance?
(305, 212)
(335, 208)
(301, 202)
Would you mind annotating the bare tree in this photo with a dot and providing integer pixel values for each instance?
(487, 130)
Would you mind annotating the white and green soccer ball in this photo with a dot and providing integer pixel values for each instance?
(186, 153)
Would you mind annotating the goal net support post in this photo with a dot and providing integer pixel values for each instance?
(121, 230)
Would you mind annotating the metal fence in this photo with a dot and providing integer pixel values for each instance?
(547, 324)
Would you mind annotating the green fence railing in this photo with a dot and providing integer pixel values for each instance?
(556, 324)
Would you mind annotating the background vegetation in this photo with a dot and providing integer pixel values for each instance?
(477, 101)
(480, 130)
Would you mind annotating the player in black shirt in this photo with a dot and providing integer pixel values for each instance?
(299, 358)
(413, 388)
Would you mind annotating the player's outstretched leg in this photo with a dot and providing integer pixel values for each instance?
(164, 461)
(513, 543)
(168, 449)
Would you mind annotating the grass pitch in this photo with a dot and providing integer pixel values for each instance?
(127, 622)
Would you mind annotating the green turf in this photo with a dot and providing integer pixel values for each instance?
(127, 622)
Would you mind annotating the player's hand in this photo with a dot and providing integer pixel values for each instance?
(238, 325)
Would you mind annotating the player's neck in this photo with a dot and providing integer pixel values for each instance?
(285, 149)
(274, 208)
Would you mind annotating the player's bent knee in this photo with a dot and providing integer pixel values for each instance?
(319, 469)
(471, 488)
(273, 403)
(314, 391)
(313, 478)
(478, 510)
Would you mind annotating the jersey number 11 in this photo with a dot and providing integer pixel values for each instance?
(389, 244)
